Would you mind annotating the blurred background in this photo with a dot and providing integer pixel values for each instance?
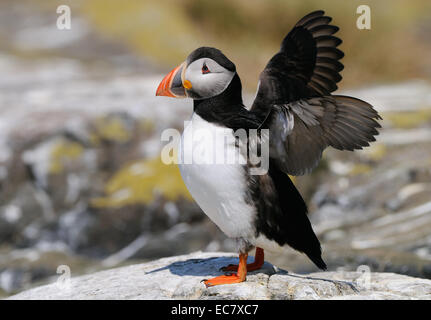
(81, 182)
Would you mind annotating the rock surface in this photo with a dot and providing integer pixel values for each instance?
(180, 278)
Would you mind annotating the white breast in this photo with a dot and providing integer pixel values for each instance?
(217, 183)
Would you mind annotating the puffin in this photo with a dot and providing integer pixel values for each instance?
(294, 115)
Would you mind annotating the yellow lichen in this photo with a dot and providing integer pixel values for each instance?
(140, 181)
(63, 151)
(144, 25)
(110, 128)
(376, 151)
(94, 139)
(408, 120)
(360, 169)
(147, 125)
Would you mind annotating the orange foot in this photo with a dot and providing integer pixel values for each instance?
(231, 278)
(256, 265)
(226, 279)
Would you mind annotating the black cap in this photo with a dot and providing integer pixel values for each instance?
(212, 53)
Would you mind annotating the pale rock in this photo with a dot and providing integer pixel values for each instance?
(180, 278)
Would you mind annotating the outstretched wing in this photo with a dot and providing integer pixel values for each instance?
(294, 97)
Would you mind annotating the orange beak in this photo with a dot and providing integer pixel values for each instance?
(172, 84)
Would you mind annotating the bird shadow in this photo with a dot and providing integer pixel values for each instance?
(211, 267)
(207, 266)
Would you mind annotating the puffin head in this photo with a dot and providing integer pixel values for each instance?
(205, 73)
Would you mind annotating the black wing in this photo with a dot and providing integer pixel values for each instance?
(294, 97)
(282, 218)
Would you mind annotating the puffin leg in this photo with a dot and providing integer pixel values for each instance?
(237, 277)
(259, 259)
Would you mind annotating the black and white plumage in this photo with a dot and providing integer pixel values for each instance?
(295, 103)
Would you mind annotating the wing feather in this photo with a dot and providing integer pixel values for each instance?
(294, 99)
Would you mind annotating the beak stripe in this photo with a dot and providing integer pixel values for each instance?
(164, 87)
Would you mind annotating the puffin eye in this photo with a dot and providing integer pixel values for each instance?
(205, 69)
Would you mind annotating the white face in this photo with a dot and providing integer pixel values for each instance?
(207, 78)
